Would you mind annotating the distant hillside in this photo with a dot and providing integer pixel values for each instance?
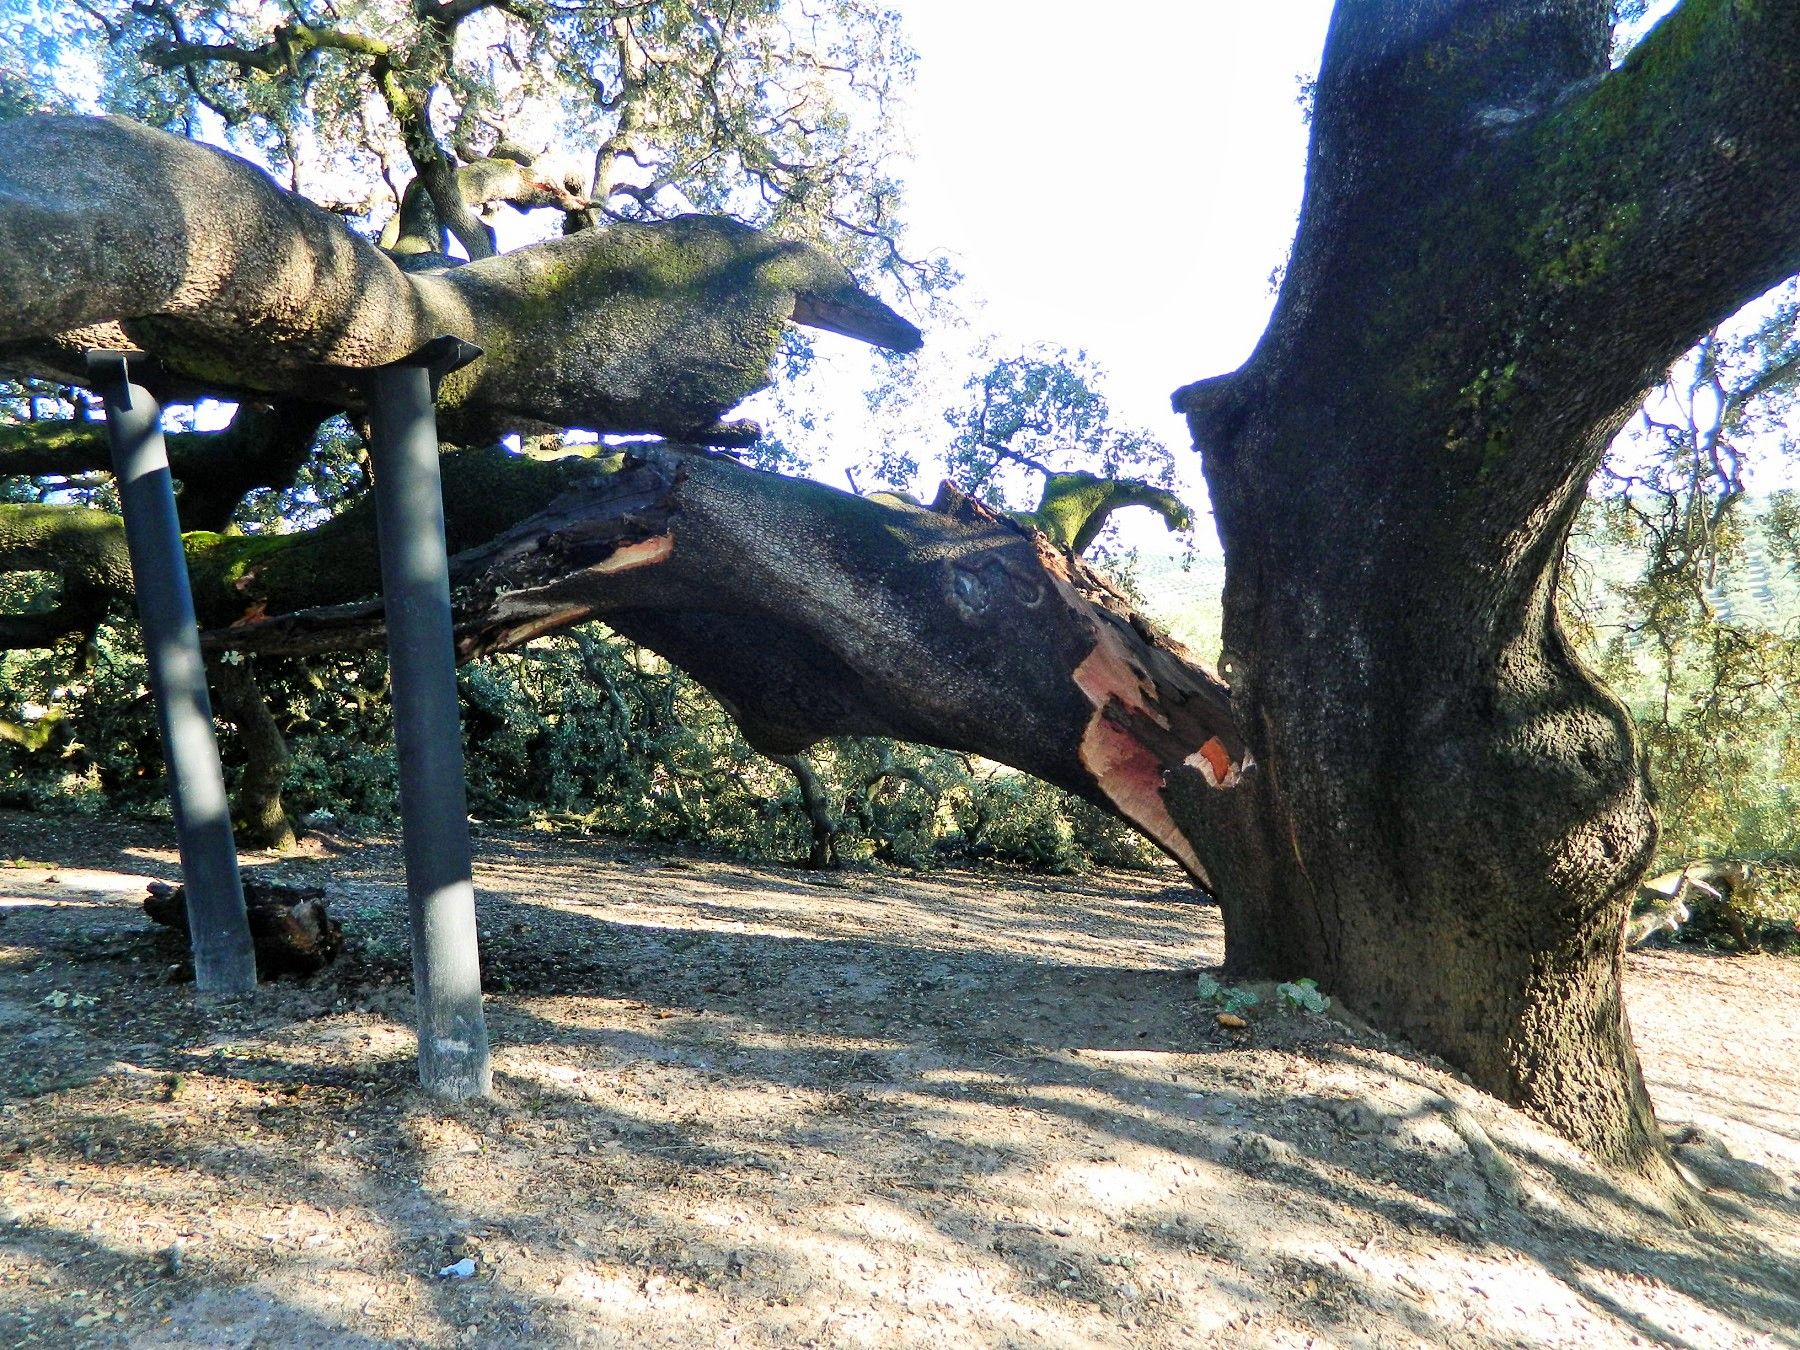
(1759, 591)
(1183, 593)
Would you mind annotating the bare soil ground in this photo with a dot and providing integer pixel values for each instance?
(744, 1106)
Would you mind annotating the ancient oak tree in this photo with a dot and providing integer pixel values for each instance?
(1403, 784)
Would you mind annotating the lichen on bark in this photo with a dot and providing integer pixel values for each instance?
(235, 285)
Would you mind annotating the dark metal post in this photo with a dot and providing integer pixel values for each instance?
(415, 579)
(224, 960)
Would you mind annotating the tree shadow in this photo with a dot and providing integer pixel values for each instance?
(732, 1100)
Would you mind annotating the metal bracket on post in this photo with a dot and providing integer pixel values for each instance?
(224, 959)
(434, 813)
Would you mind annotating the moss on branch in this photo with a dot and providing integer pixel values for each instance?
(292, 41)
(75, 540)
(237, 577)
(83, 548)
(1076, 506)
(486, 490)
(1670, 178)
(262, 447)
(634, 328)
(53, 449)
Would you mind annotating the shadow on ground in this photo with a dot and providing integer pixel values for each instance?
(736, 1105)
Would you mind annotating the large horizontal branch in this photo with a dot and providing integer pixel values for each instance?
(55, 449)
(282, 53)
(839, 615)
(238, 578)
(112, 230)
(83, 549)
(261, 447)
(836, 615)
(78, 609)
(69, 539)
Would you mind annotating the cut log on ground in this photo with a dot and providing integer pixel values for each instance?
(293, 932)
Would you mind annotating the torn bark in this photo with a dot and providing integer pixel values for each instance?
(838, 615)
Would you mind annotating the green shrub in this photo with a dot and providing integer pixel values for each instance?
(583, 730)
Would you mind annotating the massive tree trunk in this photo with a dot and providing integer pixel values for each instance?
(1503, 246)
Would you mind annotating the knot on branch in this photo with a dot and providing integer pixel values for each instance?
(1215, 409)
(975, 587)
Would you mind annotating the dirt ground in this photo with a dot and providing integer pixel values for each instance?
(746, 1106)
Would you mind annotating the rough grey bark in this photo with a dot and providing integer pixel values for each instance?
(1502, 248)
(115, 234)
(258, 816)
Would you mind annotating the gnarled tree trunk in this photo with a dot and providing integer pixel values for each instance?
(1503, 246)
(257, 813)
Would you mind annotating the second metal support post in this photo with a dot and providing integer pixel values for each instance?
(224, 960)
(409, 512)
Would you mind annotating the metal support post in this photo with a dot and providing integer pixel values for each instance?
(224, 960)
(415, 579)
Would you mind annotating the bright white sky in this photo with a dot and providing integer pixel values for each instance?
(1122, 185)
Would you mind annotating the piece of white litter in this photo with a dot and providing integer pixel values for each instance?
(462, 1270)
